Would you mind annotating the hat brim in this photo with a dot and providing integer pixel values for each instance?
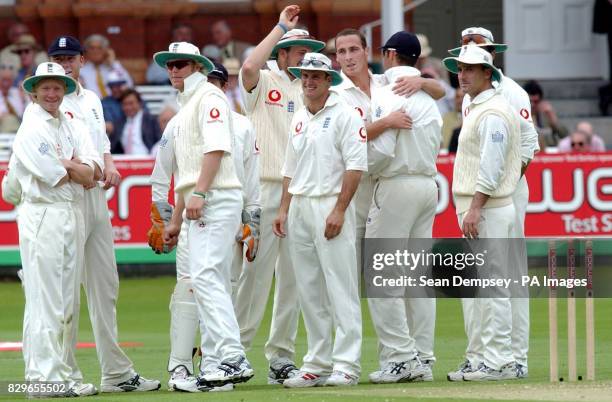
(61, 52)
(499, 48)
(297, 72)
(452, 65)
(30, 83)
(161, 58)
(315, 45)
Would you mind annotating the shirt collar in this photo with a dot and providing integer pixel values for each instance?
(347, 83)
(496, 84)
(484, 96)
(43, 114)
(190, 85)
(331, 101)
(136, 117)
(394, 73)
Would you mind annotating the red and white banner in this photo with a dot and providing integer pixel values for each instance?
(570, 195)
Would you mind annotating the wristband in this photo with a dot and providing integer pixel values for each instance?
(199, 194)
(283, 27)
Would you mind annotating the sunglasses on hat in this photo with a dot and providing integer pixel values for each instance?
(469, 38)
(313, 62)
(179, 64)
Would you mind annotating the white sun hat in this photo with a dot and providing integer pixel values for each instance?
(297, 37)
(316, 62)
(49, 70)
(487, 40)
(471, 54)
(183, 51)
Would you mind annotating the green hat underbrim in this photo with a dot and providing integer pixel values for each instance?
(451, 64)
(499, 48)
(161, 58)
(297, 72)
(315, 45)
(30, 83)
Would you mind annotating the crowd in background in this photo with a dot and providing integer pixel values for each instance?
(134, 130)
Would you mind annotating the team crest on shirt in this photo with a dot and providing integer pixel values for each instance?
(326, 122)
(214, 116)
(363, 135)
(274, 97)
(43, 148)
(95, 113)
(163, 142)
(290, 107)
(378, 111)
(497, 137)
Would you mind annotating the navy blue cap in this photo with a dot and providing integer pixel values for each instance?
(219, 72)
(404, 43)
(65, 46)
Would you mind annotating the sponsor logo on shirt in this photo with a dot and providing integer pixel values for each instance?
(467, 111)
(214, 116)
(497, 137)
(362, 134)
(360, 111)
(274, 97)
(525, 114)
(326, 122)
(69, 114)
(298, 128)
(43, 148)
(256, 148)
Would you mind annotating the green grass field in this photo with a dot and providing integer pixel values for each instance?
(143, 317)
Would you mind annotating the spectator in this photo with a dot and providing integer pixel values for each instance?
(453, 119)
(156, 75)
(111, 106)
(231, 90)
(596, 142)
(7, 57)
(602, 17)
(222, 38)
(545, 118)
(580, 142)
(100, 62)
(454, 141)
(12, 101)
(431, 67)
(139, 131)
(25, 48)
(330, 51)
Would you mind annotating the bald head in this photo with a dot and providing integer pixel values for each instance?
(221, 32)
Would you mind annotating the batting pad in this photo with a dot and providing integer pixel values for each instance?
(183, 326)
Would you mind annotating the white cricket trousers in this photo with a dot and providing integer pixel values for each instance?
(362, 200)
(328, 286)
(488, 321)
(253, 286)
(405, 326)
(211, 240)
(51, 248)
(520, 306)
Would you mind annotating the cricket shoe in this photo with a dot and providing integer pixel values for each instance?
(82, 389)
(521, 371)
(341, 379)
(486, 373)
(233, 371)
(197, 384)
(407, 371)
(304, 379)
(136, 384)
(280, 370)
(178, 374)
(457, 375)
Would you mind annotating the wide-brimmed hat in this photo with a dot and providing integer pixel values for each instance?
(471, 54)
(26, 41)
(49, 70)
(182, 51)
(425, 48)
(486, 35)
(297, 37)
(316, 62)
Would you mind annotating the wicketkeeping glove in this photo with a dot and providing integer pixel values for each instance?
(161, 212)
(250, 232)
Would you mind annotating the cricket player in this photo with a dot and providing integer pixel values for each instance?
(209, 192)
(485, 175)
(519, 100)
(356, 88)
(183, 310)
(100, 277)
(53, 160)
(271, 99)
(325, 156)
(403, 163)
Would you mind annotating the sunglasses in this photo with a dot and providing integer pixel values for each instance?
(313, 62)
(578, 144)
(178, 64)
(478, 39)
(23, 51)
